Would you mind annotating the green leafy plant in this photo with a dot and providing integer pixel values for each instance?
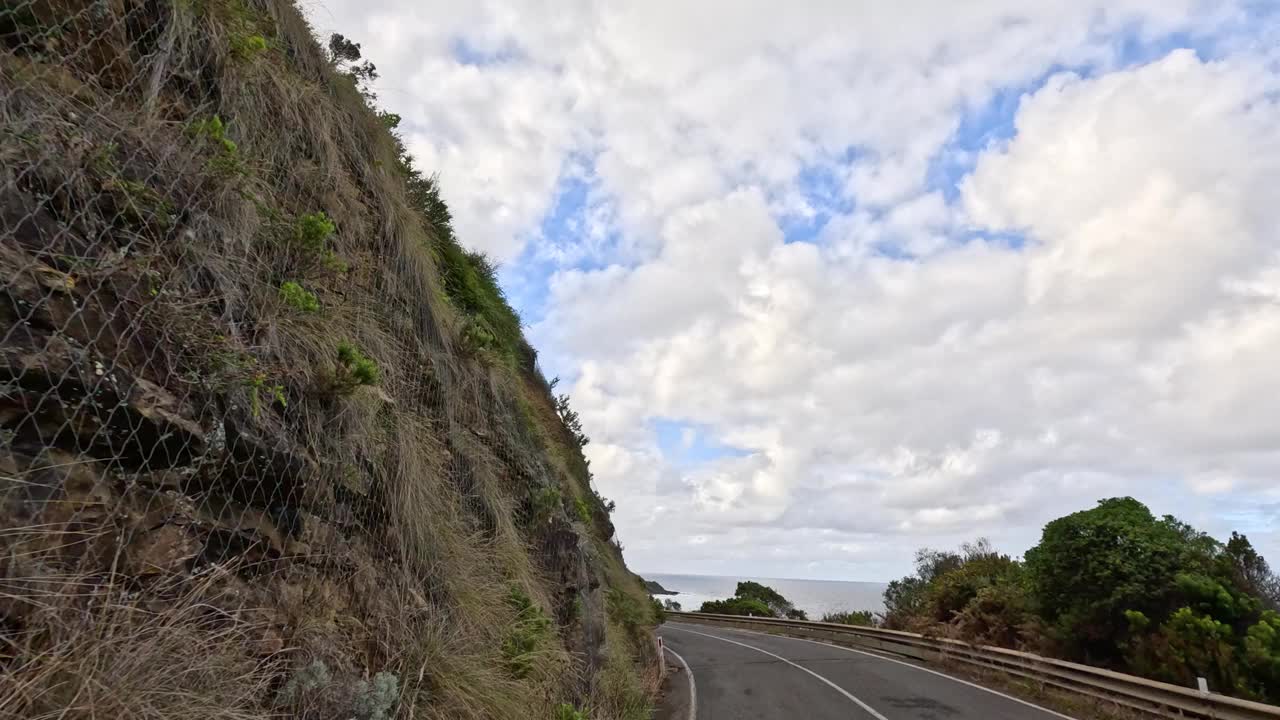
(376, 699)
(572, 423)
(545, 502)
(308, 679)
(583, 510)
(226, 159)
(313, 230)
(258, 384)
(311, 233)
(737, 606)
(864, 618)
(246, 47)
(354, 368)
(298, 297)
(527, 635)
(565, 711)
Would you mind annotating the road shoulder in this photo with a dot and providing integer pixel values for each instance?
(678, 700)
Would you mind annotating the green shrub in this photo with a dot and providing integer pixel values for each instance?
(737, 606)
(752, 598)
(375, 700)
(213, 129)
(862, 618)
(779, 605)
(1000, 614)
(257, 384)
(298, 297)
(307, 680)
(950, 593)
(354, 368)
(527, 635)
(226, 159)
(1113, 585)
(1262, 651)
(583, 510)
(545, 502)
(246, 47)
(658, 610)
(565, 711)
(313, 230)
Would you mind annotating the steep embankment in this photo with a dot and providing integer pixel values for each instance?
(272, 442)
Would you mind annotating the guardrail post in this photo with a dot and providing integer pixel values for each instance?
(662, 658)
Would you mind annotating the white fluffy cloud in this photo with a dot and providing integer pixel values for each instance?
(1091, 310)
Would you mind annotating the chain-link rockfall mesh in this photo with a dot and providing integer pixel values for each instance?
(249, 462)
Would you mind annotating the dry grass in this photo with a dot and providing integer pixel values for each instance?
(97, 652)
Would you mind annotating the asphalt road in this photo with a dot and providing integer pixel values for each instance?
(740, 675)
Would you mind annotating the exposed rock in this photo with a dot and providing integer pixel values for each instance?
(164, 550)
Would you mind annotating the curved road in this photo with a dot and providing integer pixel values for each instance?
(745, 675)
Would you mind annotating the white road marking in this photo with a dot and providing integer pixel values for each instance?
(693, 687)
(917, 667)
(833, 686)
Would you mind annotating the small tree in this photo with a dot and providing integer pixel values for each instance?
(345, 54)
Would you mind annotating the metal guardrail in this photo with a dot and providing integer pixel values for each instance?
(1149, 697)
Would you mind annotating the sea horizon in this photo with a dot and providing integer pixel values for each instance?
(814, 596)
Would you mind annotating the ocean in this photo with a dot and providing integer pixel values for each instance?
(815, 597)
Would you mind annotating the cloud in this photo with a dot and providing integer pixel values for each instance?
(1037, 260)
(955, 392)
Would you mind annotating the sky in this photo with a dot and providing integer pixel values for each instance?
(832, 281)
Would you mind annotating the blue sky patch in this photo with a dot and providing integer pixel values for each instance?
(823, 189)
(688, 444)
(468, 54)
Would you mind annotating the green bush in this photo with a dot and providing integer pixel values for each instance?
(949, 594)
(298, 297)
(1115, 586)
(565, 711)
(863, 618)
(226, 159)
(376, 700)
(1092, 566)
(527, 635)
(213, 129)
(354, 368)
(737, 606)
(312, 232)
(246, 47)
(258, 384)
(777, 604)
(752, 598)
(544, 503)
(307, 680)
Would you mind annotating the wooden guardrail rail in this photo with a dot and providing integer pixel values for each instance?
(1155, 699)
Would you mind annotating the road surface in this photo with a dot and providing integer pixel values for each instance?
(741, 675)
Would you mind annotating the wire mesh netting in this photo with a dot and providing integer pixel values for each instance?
(236, 411)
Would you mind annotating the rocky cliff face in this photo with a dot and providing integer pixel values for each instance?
(267, 448)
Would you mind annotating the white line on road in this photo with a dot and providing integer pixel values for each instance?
(834, 686)
(917, 667)
(693, 687)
